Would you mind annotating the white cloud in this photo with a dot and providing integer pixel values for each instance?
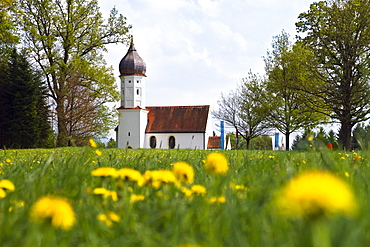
(196, 49)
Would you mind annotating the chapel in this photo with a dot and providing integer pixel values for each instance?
(162, 127)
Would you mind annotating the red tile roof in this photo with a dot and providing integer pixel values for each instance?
(214, 142)
(177, 119)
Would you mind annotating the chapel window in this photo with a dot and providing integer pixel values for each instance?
(153, 142)
(171, 142)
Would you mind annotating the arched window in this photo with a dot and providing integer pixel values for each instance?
(153, 141)
(171, 142)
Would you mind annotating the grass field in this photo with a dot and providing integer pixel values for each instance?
(237, 208)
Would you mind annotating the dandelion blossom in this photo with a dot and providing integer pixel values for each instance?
(106, 193)
(316, 193)
(92, 143)
(57, 211)
(198, 189)
(158, 177)
(183, 172)
(136, 198)
(220, 199)
(6, 184)
(98, 152)
(216, 163)
(105, 172)
(109, 218)
(131, 175)
(2, 193)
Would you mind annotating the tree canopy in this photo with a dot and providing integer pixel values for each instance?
(286, 67)
(24, 111)
(245, 109)
(338, 34)
(65, 39)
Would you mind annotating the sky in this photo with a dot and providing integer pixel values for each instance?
(195, 50)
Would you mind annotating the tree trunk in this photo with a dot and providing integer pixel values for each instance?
(248, 141)
(287, 140)
(345, 131)
(62, 139)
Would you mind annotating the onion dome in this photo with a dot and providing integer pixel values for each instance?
(132, 63)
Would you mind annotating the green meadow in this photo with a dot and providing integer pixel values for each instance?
(237, 209)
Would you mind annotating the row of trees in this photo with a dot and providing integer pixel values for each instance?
(61, 44)
(323, 76)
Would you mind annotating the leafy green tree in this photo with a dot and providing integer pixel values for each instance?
(24, 117)
(361, 137)
(263, 142)
(245, 109)
(68, 37)
(7, 28)
(86, 114)
(289, 111)
(111, 143)
(338, 33)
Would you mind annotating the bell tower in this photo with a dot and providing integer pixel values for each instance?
(132, 114)
(132, 68)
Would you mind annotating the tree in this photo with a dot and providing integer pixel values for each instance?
(284, 68)
(68, 37)
(361, 137)
(7, 29)
(86, 113)
(24, 119)
(338, 33)
(245, 109)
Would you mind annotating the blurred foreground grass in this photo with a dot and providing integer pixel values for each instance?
(236, 210)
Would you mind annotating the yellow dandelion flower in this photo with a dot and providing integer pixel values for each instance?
(356, 157)
(220, 199)
(316, 193)
(92, 143)
(98, 152)
(106, 193)
(216, 163)
(187, 192)
(113, 216)
(104, 219)
(198, 189)
(131, 175)
(6, 184)
(271, 157)
(310, 138)
(105, 172)
(109, 218)
(183, 172)
(159, 177)
(136, 198)
(346, 174)
(2, 193)
(57, 211)
(8, 161)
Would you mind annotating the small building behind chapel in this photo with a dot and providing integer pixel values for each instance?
(162, 127)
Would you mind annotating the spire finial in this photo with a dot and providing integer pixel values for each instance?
(131, 39)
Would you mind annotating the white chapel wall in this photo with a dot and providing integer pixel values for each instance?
(182, 140)
(131, 130)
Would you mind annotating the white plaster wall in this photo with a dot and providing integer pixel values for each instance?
(130, 97)
(182, 140)
(131, 129)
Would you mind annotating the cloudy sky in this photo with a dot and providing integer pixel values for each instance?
(196, 49)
